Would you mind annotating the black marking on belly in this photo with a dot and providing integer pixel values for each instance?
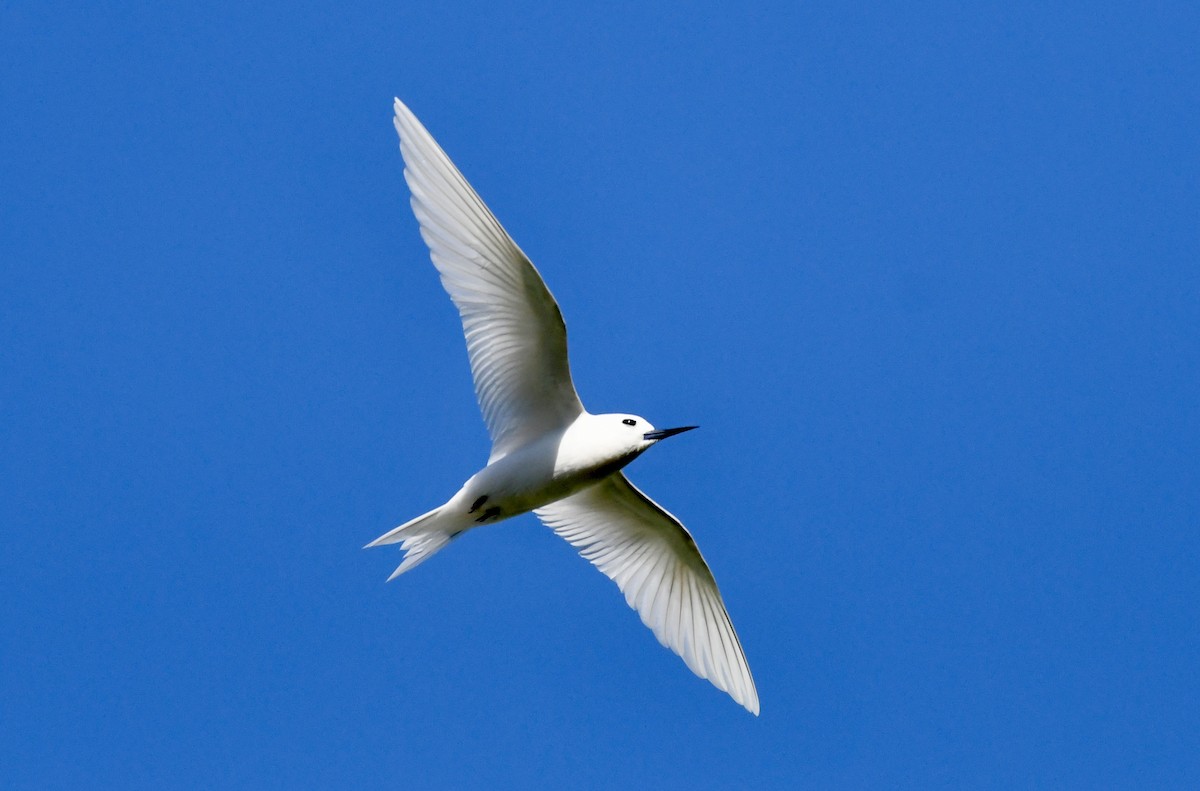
(455, 534)
(475, 505)
(490, 513)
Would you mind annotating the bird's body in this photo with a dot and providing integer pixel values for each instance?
(549, 455)
(550, 468)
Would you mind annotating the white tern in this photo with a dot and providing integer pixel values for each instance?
(549, 454)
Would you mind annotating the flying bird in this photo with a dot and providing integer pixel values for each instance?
(549, 454)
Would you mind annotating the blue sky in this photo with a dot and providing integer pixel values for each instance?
(926, 276)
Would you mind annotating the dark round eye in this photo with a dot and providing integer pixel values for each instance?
(629, 421)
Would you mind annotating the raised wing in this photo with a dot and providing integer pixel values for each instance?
(516, 338)
(656, 564)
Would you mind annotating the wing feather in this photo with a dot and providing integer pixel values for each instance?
(655, 563)
(516, 339)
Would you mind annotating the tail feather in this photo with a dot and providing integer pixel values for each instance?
(406, 530)
(420, 538)
(419, 548)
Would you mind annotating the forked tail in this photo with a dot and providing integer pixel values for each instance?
(420, 538)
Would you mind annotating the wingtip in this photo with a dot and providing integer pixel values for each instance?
(747, 699)
(381, 541)
(746, 696)
(751, 701)
(404, 120)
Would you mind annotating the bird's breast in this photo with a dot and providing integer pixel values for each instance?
(535, 476)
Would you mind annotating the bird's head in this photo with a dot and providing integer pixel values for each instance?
(601, 444)
(633, 434)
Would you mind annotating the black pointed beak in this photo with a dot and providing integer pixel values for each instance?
(663, 433)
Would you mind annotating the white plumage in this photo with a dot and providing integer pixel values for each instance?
(549, 455)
